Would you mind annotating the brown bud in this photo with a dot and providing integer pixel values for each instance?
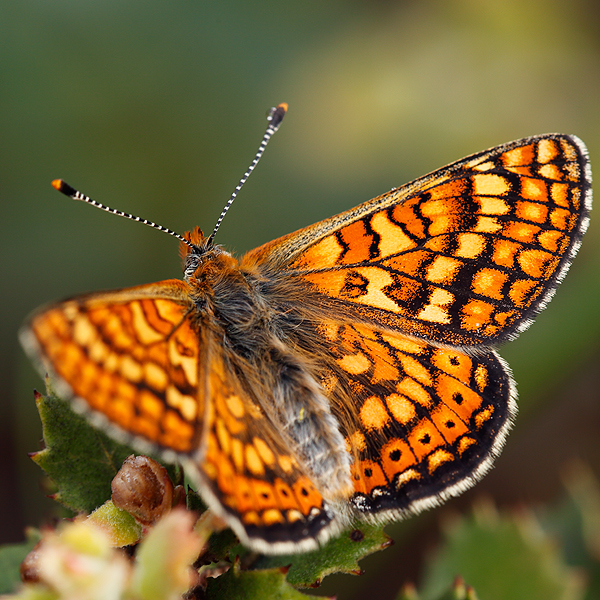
(29, 567)
(142, 487)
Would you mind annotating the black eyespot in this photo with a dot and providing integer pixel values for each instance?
(425, 439)
(449, 424)
(395, 455)
(368, 472)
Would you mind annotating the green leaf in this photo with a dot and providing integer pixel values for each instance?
(79, 459)
(11, 557)
(118, 524)
(269, 584)
(502, 557)
(457, 591)
(339, 555)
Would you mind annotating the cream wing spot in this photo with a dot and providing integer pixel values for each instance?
(373, 414)
(84, 333)
(392, 238)
(186, 405)
(99, 352)
(131, 369)
(435, 311)
(143, 330)
(265, 453)
(354, 363)
(546, 150)
(492, 205)
(443, 269)
(156, 377)
(111, 362)
(286, 463)
(402, 409)
(490, 185)
(470, 245)
(253, 461)
(223, 435)
(235, 406)
(378, 279)
(189, 364)
(415, 391)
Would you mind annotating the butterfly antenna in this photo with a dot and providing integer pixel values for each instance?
(67, 190)
(274, 117)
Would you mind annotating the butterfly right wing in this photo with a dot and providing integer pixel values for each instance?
(465, 256)
(425, 423)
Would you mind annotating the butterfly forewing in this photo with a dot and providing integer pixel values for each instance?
(467, 255)
(130, 358)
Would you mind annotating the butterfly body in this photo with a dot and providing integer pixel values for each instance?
(342, 371)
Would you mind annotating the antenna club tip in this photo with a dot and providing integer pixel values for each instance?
(276, 115)
(64, 188)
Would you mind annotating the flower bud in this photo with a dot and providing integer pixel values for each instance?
(143, 488)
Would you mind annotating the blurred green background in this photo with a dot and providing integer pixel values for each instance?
(156, 108)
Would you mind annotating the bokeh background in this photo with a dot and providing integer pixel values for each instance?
(156, 108)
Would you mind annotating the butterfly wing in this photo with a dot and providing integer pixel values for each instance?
(467, 255)
(428, 421)
(129, 360)
(249, 474)
(143, 364)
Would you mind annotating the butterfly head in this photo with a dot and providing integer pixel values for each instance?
(201, 257)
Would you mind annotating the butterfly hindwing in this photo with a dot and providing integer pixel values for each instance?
(428, 423)
(256, 481)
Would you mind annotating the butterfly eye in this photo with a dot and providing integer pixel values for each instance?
(190, 264)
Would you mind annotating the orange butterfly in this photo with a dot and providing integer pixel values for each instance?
(343, 370)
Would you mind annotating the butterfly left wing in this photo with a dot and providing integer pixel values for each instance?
(129, 360)
(146, 366)
(465, 256)
(248, 473)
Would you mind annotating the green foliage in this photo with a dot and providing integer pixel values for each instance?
(339, 555)
(81, 461)
(252, 585)
(499, 556)
(11, 556)
(502, 557)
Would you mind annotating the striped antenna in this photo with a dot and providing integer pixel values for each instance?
(67, 190)
(274, 117)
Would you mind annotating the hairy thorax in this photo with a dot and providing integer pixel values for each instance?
(262, 335)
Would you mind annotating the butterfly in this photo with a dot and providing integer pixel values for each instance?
(343, 371)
